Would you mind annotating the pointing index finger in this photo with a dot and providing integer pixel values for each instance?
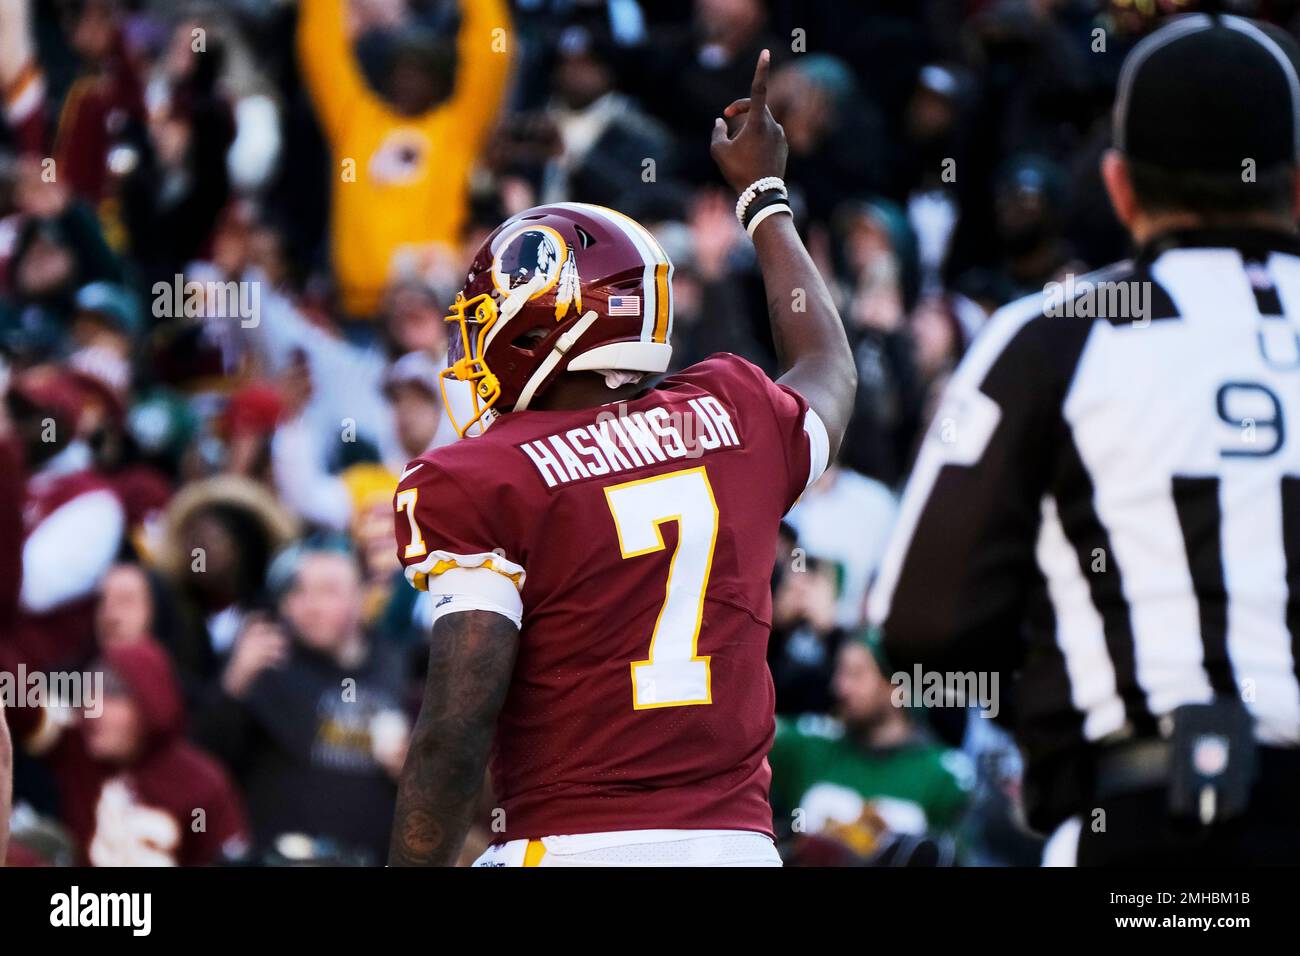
(758, 89)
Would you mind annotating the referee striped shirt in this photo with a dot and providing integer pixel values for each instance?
(1107, 503)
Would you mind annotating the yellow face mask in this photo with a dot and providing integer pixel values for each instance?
(470, 367)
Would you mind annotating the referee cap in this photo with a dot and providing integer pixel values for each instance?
(1206, 92)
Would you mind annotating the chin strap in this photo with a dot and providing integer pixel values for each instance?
(566, 342)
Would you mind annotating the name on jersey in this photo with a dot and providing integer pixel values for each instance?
(620, 440)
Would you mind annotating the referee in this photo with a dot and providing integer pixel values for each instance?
(1107, 504)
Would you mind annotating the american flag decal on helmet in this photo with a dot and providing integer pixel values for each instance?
(624, 305)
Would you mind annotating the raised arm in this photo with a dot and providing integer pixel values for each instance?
(806, 327)
(470, 662)
(483, 54)
(329, 67)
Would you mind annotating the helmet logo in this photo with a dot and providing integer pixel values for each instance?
(529, 262)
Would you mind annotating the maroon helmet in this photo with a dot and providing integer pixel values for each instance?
(561, 288)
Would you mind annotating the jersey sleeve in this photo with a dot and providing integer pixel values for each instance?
(800, 433)
(440, 528)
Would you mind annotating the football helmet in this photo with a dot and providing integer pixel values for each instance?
(560, 288)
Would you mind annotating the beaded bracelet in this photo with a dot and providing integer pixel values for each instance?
(753, 189)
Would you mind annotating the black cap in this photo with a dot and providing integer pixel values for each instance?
(1206, 92)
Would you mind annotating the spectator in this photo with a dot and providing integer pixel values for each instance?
(52, 246)
(410, 156)
(599, 136)
(713, 308)
(870, 778)
(136, 604)
(805, 637)
(934, 144)
(69, 508)
(218, 538)
(318, 735)
(247, 426)
(876, 251)
(320, 425)
(134, 792)
(845, 519)
(107, 316)
(371, 488)
(105, 106)
(941, 327)
(1029, 198)
(837, 146)
(174, 191)
(690, 75)
(124, 612)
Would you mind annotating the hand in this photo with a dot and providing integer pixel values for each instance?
(390, 739)
(759, 149)
(715, 232)
(37, 196)
(259, 647)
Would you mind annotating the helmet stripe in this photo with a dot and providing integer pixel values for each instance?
(654, 328)
(662, 309)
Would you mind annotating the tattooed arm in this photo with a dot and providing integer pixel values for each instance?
(470, 663)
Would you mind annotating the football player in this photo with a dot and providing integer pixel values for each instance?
(600, 557)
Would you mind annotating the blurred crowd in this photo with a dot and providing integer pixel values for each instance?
(229, 233)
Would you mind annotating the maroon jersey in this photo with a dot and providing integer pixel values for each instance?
(643, 535)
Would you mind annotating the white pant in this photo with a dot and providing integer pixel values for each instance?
(638, 848)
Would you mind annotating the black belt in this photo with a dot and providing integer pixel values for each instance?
(1144, 765)
(1132, 767)
(1071, 783)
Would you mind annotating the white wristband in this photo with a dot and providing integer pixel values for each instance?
(764, 213)
(753, 189)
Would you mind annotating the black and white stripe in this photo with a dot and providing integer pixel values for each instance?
(1111, 507)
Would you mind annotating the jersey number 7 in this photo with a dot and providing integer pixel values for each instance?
(673, 675)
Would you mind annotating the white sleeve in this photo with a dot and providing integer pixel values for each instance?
(67, 554)
(475, 589)
(819, 446)
(302, 481)
(252, 157)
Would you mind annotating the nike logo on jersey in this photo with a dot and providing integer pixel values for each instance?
(410, 471)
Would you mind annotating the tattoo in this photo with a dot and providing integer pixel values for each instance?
(470, 663)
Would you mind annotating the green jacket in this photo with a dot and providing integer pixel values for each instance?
(814, 763)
